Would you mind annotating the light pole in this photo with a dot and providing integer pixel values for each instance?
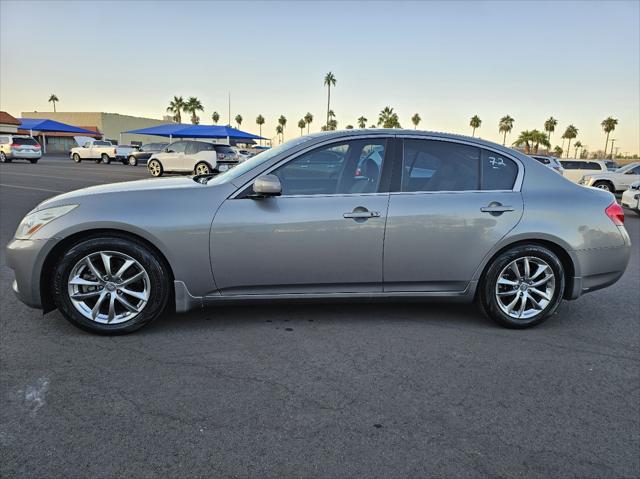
(605, 153)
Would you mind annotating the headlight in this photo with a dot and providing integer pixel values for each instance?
(585, 180)
(36, 220)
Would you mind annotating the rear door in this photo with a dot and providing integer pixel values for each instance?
(450, 204)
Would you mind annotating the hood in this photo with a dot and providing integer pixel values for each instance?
(81, 140)
(124, 187)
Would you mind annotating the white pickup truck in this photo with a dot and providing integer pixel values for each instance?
(100, 151)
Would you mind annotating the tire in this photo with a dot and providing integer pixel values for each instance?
(104, 158)
(155, 168)
(124, 161)
(202, 169)
(152, 290)
(76, 158)
(133, 161)
(496, 298)
(604, 185)
(33, 162)
(3, 158)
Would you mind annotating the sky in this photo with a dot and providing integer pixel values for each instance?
(578, 61)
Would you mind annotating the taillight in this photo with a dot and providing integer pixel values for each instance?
(15, 145)
(37, 147)
(615, 212)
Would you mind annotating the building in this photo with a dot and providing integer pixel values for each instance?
(8, 123)
(110, 125)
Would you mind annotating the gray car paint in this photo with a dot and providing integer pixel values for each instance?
(304, 248)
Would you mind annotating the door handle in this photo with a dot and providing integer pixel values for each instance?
(496, 208)
(361, 214)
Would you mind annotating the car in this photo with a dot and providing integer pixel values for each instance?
(613, 181)
(198, 157)
(487, 224)
(242, 154)
(631, 197)
(123, 152)
(100, 151)
(574, 169)
(549, 161)
(144, 152)
(19, 147)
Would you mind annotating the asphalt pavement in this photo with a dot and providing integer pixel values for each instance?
(331, 390)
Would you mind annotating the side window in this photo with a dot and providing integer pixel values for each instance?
(498, 172)
(178, 146)
(635, 171)
(431, 165)
(193, 147)
(569, 165)
(592, 166)
(345, 168)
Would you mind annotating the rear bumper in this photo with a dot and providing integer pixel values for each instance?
(599, 268)
(24, 155)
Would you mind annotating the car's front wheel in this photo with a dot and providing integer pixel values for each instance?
(202, 169)
(111, 285)
(3, 158)
(155, 168)
(76, 158)
(105, 159)
(133, 161)
(523, 286)
(604, 185)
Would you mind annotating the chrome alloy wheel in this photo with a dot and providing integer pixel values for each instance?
(154, 168)
(108, 287)
(525, 287)
(202, 169)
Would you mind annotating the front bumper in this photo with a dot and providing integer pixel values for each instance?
(26, 259)
(631, 199)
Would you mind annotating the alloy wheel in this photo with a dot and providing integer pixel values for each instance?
(154, 168)
(525, 287)
(202, 169)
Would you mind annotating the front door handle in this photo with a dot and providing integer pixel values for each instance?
(362, 214)
(496, 208)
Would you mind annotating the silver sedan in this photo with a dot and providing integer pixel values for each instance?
(369, 214)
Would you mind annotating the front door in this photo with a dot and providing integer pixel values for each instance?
(173, 156)
(453, 202)
(324, 234)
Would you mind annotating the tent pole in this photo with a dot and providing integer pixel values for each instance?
(44, 143)
(170, 138)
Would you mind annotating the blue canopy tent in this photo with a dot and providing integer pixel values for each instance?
(43, 126)
(196, 131)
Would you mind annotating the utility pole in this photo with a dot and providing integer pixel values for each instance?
(605, 153)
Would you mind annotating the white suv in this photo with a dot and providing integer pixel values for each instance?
(576, 169)
(197, 157)
(19, 147)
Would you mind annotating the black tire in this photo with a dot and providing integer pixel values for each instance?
(159, 280)
(104, 158)
(155, 168)
(133, 161)
(76, 158)
(3, 158)
(488, 286)
(204, 167)
(33, 162)
(604, 185)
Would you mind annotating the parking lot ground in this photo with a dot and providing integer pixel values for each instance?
(331, 390)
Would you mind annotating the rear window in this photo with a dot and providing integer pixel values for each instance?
(223, 149)
(101, 143)
(24, 141)
(541, 159)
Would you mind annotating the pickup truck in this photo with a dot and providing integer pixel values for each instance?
(100, 151)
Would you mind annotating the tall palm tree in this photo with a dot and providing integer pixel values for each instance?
(53, 99)
(570, 133)
(550, 127)
(282, 121)
(280, 132)
(331, 114)
(577, 145)
(308, 118)
(415, 119)
(362, 122)
(193, 106)
(475, 123)
(525, 139)
(176, 106)
(608, 125)
(329, 81)
(301, 125)
(238, 120)
(388, 118)
(260, 122)
(505, 126)
(539, 138)
(557, 151)
(215, 116)
(333, 124)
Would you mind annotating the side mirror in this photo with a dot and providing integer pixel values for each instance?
(267, 185)
(169, 151)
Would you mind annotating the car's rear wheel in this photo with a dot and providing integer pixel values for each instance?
(604, 185)
(155, 168)
(523, 286)
(3, 158)
(76, 158)
(33, 161)
(105, 159)
(133, 161)
(111, 285)
(202, 169)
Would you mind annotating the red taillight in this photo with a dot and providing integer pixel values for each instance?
(15, 145)
(615, 212)
(37, 147)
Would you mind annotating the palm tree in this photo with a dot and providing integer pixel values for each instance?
(475, 123)
(282, 121)
(176, 106)
(331, 114)
(570, 133)
(192, 106)
(333, 124)
(329, 81)
(505, 126)
(608, 125)
(238, 120)
(215, 117)
(362, 122)
(348, 127)
(301, 125)
(280, 132)
(308, 118)
(557, 151)
(577, 145)
(415, 119)
(260, 122)
(53, 99)
(525, 139)
(550, 126)
(539, 138)
(388, 118)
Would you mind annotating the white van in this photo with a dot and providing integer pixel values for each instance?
(576, 169)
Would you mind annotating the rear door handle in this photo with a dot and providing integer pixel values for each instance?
(496, 208)
(361, 214)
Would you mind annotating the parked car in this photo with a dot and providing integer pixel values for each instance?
(613, 181)
(100, 151)
(631, 197)
(142, 154)
(226, 153)
(242, 154)
(296, 222)
(123, 152)
(549, 161)
(576, 169)
(198, 157)
(19, 147)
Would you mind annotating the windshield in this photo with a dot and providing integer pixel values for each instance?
(625, 168)
(255, 161)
